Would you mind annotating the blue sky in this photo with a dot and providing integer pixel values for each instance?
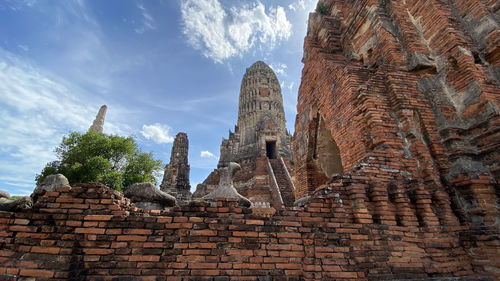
(161, 67)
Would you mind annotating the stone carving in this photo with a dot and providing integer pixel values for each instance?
(98, 124)
(176, 176)
(50, 183)
(15, 205)
(146, 196)
(226, 188)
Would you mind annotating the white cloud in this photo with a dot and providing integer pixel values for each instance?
(23, 47)
(302, 4)
(279, 68)
(159, 133)
(221, 34)
(148, 22)
(285, 85)
(207, 154)
(36, 110)
(294, 6)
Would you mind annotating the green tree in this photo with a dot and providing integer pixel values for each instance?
(94, 157)
(321, 8)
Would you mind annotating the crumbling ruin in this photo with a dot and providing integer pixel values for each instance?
(176, 176)
(398, 105)
(98, 124)
(396, 167)
(260, 143)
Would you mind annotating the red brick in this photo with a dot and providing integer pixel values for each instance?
(239, 252)
(73, 223)
(45, 250)
(113, 231)
(36, 273)
(153, 245)
(90, 230)
(98, 217)
(206, 272)
(131, 238)
(202, 265)
(144, 258)
(22, 228)
(190, 258)
(137, 231)
(203, 245)
(245, 234)
(206, 232)
(246, 266)
(164, 219)
(21, 221)
(98, 251)
(289, 266)
(255, 222)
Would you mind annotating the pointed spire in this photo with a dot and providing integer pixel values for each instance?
(98, 124)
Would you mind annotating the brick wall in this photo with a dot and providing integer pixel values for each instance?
(410, 94)
(92, 233)
(403, 86)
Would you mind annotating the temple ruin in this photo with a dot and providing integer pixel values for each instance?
(396, 168)
(98, 124)
(260, 143)
(176, 176)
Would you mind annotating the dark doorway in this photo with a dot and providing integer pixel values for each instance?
(271, 149)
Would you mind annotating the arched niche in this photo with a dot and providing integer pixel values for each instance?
(327, 152)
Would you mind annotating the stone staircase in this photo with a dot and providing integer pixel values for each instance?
(284, 184)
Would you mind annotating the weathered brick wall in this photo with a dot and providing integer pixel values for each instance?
(410, 92)
(92, 233)
(411, 84)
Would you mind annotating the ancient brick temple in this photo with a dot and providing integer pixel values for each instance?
(396, 167)
(176, 176)
(399, 105)
(260, 143)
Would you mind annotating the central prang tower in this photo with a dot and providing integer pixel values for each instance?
(261, 129)
(261, 118)
(260, 143)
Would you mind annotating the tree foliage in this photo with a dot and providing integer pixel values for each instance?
(321, 8)
(95, 157)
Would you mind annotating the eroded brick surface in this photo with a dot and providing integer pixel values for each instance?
(217, 240)
(406, 94)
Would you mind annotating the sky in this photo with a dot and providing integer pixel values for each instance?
(161, 67)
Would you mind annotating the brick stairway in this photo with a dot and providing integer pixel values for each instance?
(284, 184)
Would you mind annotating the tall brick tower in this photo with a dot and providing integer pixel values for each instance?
(261, 125)
(398, 118)
(176, 177)
(260, 142)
